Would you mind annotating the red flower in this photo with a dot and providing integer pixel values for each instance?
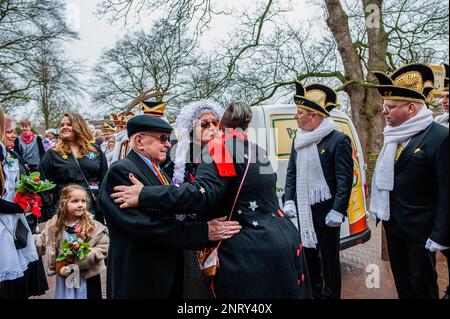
(37, 179)
(34, 200)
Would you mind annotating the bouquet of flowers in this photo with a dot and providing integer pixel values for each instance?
(27, 190)
(74, 247)
(71, 249)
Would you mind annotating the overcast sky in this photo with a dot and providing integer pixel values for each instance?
(98, 34)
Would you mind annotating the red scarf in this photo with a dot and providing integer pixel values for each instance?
(220, 154)
(27, 139)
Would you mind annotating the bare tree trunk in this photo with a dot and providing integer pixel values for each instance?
(364, 101)
(377, 61)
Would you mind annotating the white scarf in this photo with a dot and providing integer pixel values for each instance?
(383, 179)
(311, 184)
(442, 119)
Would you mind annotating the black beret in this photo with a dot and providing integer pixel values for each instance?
(145, 123)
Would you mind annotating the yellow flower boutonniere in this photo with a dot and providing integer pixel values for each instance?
(65, 156)
(417, 150)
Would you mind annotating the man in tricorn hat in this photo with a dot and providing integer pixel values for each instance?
(121, 139)
(145, 248)
(318, 185)
(108, 131)
(410, 183)
(443, 118)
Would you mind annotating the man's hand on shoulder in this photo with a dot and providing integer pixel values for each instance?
(128, 196)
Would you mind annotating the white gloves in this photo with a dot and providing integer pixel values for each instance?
(433, 246)
(289, 208)
(334, 219)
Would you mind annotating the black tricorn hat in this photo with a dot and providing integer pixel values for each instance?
(315, 97)
(445, 88)
(412, 83)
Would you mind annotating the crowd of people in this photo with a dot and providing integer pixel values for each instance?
(191, 211)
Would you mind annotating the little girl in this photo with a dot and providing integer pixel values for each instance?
(73, 221)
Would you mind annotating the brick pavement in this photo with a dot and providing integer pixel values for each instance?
(353, 267)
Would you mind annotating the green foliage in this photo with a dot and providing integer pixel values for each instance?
(33, 184)
(74, 247)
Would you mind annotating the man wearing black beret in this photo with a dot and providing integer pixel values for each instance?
(145, 249)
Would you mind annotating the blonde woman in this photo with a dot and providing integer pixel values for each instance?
(17, 265)
(74, 160)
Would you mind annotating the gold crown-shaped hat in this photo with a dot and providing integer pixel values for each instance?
(153, 108)
(446, 79)
(107, 127)
(315, 97)
(122, 118)
(412, 83)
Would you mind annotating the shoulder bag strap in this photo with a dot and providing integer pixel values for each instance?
(240, 186)
(84, 177)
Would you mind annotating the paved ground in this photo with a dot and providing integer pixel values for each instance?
(354, 262)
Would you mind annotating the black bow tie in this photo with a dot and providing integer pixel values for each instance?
(70, 230)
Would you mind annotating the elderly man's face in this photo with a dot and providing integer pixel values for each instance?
(154, 145)
(445, 101)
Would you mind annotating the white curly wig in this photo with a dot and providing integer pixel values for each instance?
(184, 125)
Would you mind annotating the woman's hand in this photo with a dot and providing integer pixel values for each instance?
(128, 196)
(220, 229)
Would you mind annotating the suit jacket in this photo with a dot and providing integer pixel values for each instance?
(144, 243)
(419, 200)
(335, 152)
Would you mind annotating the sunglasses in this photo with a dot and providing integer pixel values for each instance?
(206, 123)
(163, 138)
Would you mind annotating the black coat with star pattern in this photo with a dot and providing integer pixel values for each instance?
(265, 259)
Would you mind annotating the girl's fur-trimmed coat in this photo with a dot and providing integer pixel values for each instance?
(94, 262)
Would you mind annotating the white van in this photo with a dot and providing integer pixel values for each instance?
(273, 127)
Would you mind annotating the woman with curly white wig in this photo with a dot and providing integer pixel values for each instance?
(196, 125)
